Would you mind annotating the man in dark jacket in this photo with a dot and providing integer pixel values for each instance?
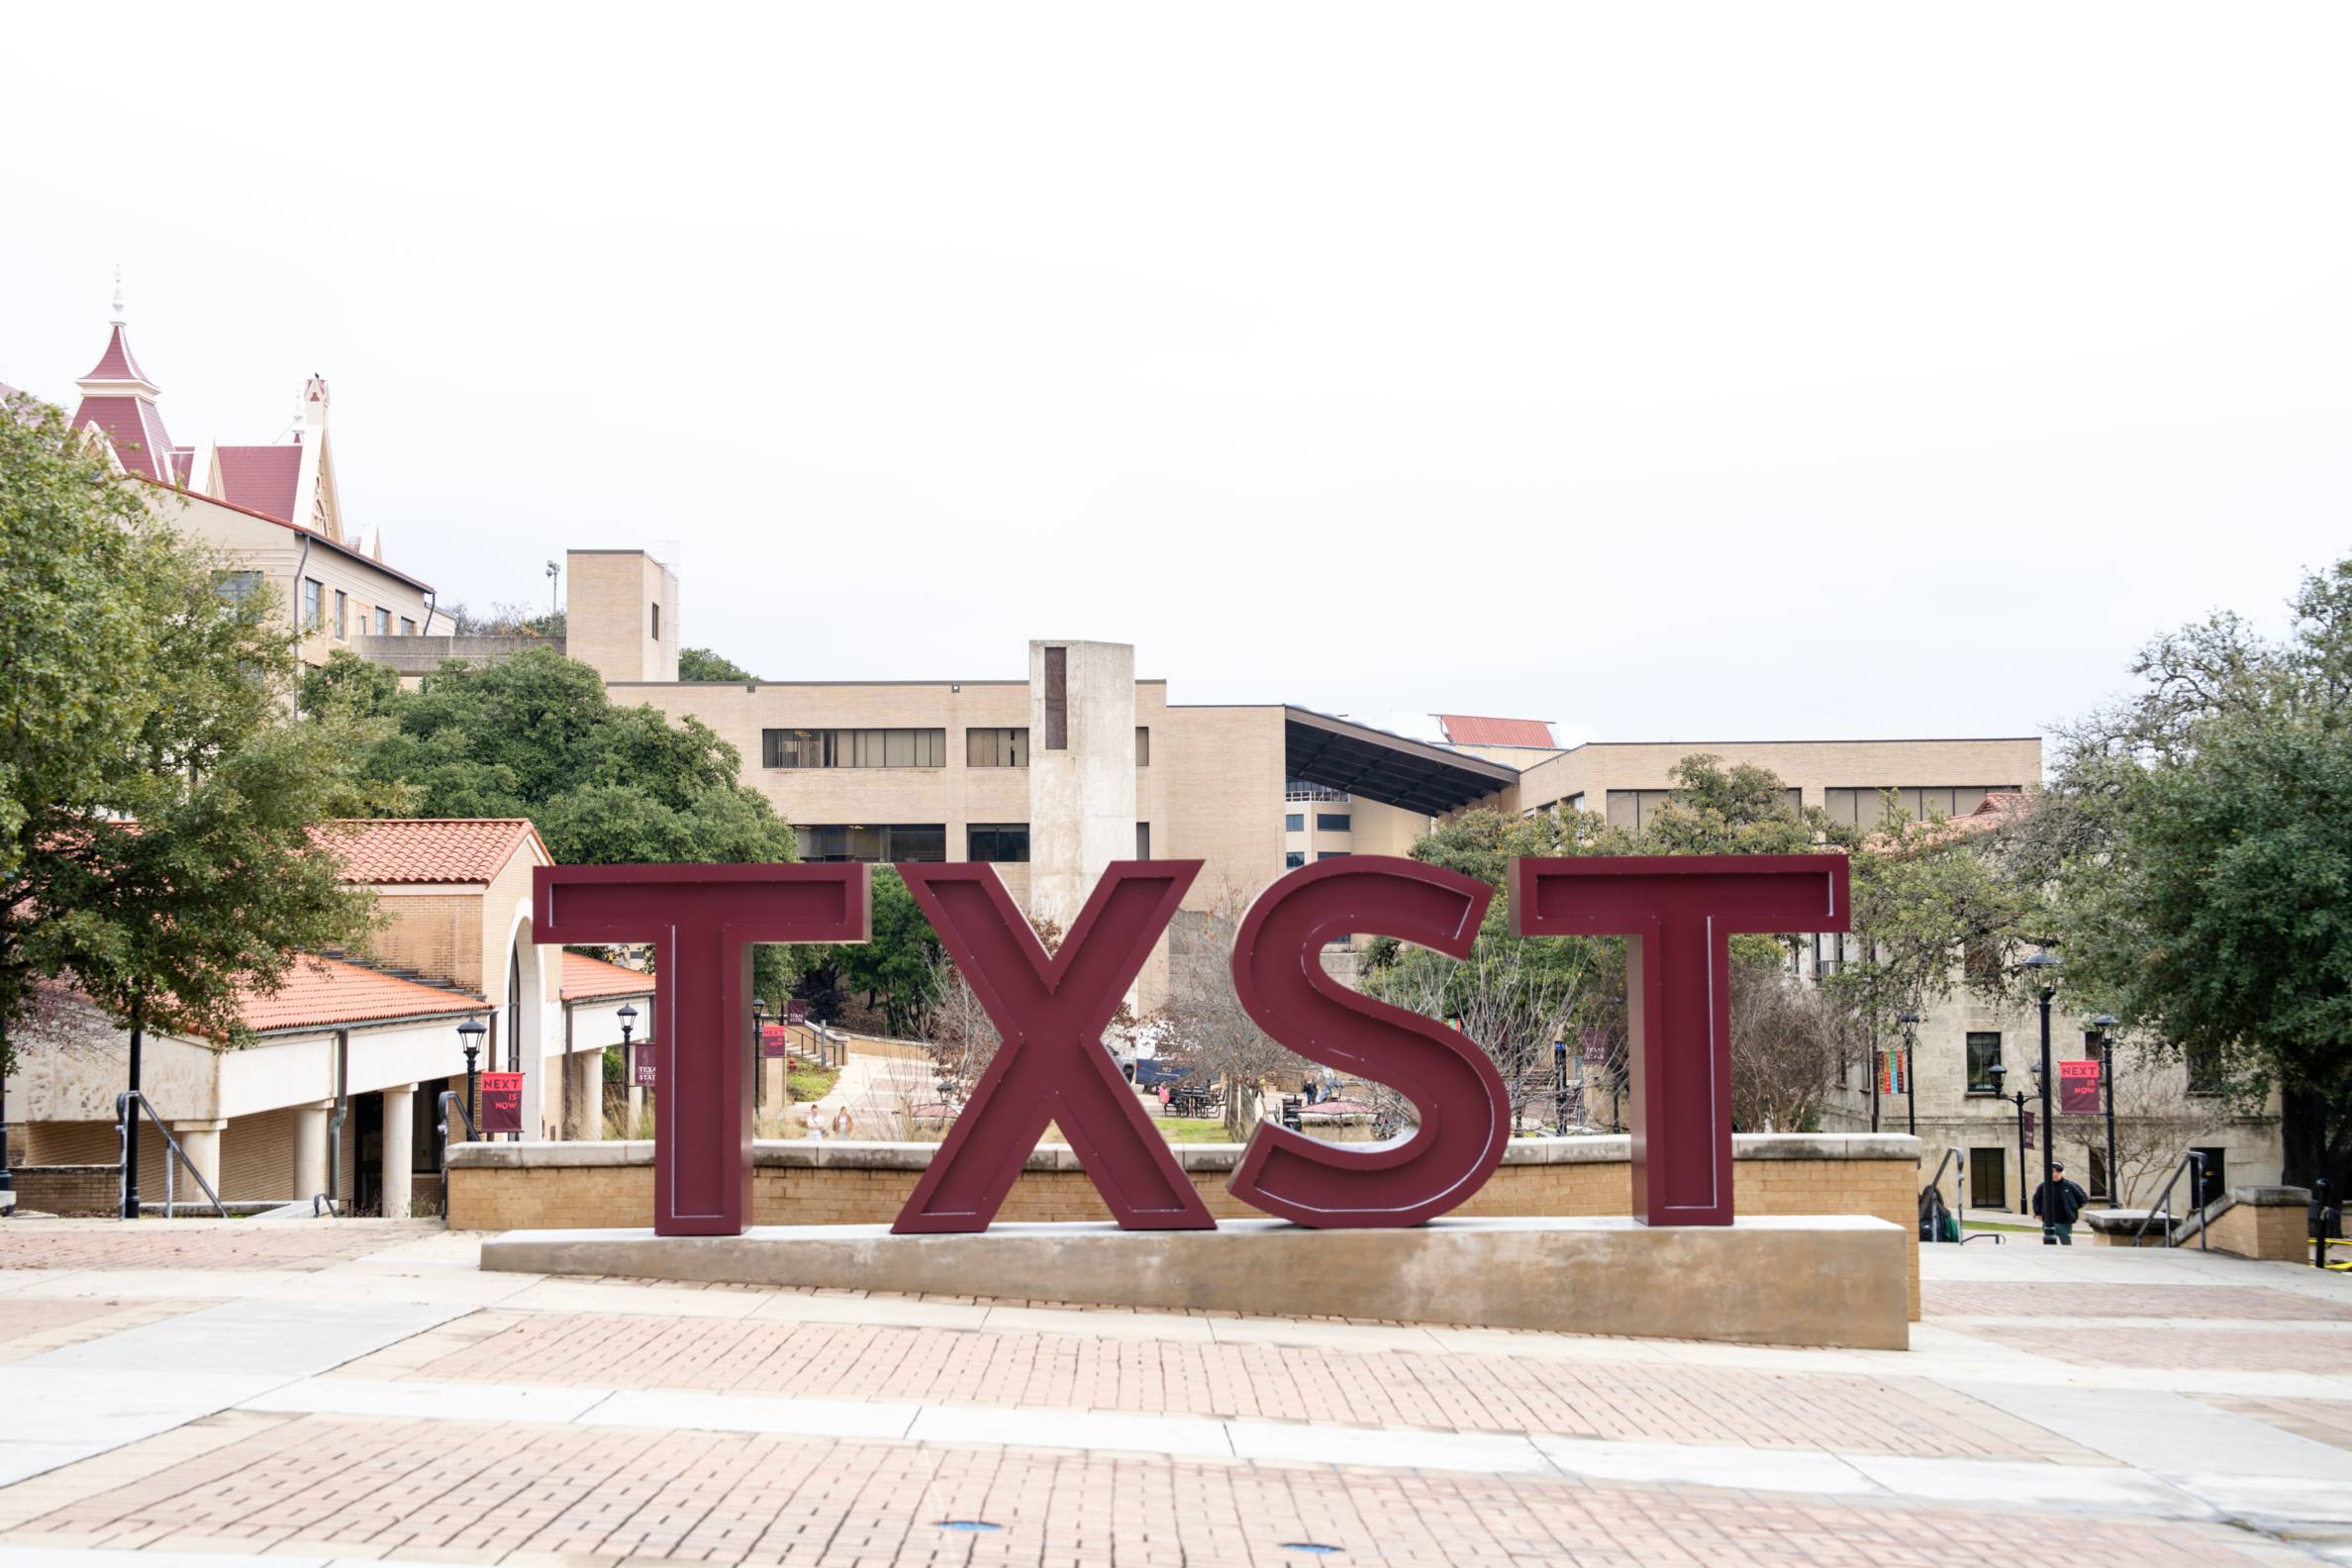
(2065, 1202)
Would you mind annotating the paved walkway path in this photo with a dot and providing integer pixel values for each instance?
(359, 1391)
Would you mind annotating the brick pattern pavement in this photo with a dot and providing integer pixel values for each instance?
(2001, 1300)
(200, 1243)
(2194, 1349)
(478, 1491)
(1389, 1389)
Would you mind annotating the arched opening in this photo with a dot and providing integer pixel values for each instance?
(523, 1022)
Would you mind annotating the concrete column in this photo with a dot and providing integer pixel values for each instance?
(583, 1090)
(201, 1142)
(1081, 793)
(400, 1111)
(310, 1149)
(637, 1111)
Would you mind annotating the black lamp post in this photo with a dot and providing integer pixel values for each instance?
(758, 1033)
(2103, 1026)
(1559, 1088)
(470, 1033)
(1910, 1065)
(2000, 1074)
(2042, 966)
(7, 1179)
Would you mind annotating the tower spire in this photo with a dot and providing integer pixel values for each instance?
(118, 297)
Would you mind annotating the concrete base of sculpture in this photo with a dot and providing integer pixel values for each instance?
(1792, 1280)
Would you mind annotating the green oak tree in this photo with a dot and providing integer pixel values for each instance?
(700, 664)
(2195, 839)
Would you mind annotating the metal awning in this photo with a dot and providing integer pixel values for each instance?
(1393, 769)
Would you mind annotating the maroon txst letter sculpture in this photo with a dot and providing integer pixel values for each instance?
(700, 921)
(1677, 913)
(1051, 1013)
(1279, 975)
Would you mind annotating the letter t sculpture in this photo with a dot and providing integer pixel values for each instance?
(1677, 913)
(702, 921)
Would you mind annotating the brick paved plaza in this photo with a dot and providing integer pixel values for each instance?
(358, 1391)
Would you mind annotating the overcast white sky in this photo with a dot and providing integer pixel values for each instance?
(1668, 371)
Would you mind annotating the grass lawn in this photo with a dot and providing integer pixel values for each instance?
(1191, 1129)
(811, 1083)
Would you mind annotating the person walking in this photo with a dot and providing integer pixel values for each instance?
(2060, 1206)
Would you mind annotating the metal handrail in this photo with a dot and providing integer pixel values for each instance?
(179, 1156)
(2192, 1160)
(450, 1101)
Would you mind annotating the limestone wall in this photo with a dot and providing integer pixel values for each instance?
(549, 1186)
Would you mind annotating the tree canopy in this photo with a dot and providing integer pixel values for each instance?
(700, 664)
(2196, 837)
(161, 801)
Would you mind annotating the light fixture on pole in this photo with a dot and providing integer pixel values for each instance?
(470, 1033)
(2000, 1074)
(2103, 1027)
(2042, 969)
(1910, 1086)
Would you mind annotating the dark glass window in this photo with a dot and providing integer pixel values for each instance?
(1143, 840)
(997, 747)
(1291, 859)
(313, 599)
(1332, 822)
(999, 842)
(1984, 1051)
(408, 628)
(1142, 747)
(1294, 821)
(1332, 855)
(854, 749)
(896, 841)
(236, 587)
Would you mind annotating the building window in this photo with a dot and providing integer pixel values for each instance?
(656, 623)
(1332, 822)
(996, 747)
(1294, 821)
(1291, 859)
(854, 749)
(2206, 1075)
(1332, 855)
(897, 841)
(1632, 810)
(1143, 840)
(383, 622)
(1984, 1054)
(998, 841)
(1057, 700)
(408, 628)
(1869, 805)
(236, 587)
(342, 616)
(1300, 790)
(1988, 1178)
(1142, 747)
(313, 594)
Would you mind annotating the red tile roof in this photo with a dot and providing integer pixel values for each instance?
(320, 992)
(430, 849)
(585, 977)
(134, 428)
(1471, 730)
(117, 364)
(261, 478)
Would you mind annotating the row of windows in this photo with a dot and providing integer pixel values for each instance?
(1984, 1054)
(1291, 859)
(1300, 790)
(1867, 807)
(924, 749)
(1633, 809)
(241, 585)
(901, 843)
(1325, 822)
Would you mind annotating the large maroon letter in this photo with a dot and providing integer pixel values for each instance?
(1676, 912)
(1049, 1014)
(700, 921)
(1465, 1119)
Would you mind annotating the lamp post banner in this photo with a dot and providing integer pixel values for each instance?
(2077, 1088)
(1677, 913)
(502, 1101)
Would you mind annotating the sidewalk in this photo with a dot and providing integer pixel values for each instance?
(370, 1394)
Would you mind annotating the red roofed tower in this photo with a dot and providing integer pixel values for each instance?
(120, 399)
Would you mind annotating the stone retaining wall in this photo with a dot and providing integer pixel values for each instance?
(70, 1189)
(555, 1186)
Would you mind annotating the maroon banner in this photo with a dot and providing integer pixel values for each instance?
(502, 1101)
(641, 1065)
(2027, 1137)
(796, 1012)
(773, 1041)
(2077, 1088)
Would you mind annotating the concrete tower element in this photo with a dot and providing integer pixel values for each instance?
(620, 613)
(1081, 772)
